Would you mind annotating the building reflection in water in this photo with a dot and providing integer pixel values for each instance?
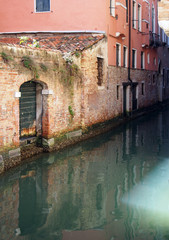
(106, 188)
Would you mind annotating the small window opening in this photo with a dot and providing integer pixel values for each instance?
(100, 71)
(163, 77)
(117, 92)
(142, 88)
(154, 79)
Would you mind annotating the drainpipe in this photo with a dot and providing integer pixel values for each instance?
(129, 59)
(129, 54)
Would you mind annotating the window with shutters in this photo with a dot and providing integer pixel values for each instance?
(42, 5)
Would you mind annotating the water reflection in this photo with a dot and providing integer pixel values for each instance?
(112, 187)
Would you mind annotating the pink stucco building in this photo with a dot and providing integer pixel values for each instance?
(111, 17)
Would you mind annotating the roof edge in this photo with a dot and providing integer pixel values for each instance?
(53, 32)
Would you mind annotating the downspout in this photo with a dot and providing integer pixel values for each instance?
(129, 59)
(129, 55)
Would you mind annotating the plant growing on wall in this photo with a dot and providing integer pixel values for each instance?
(5, 57)
(71, 112)
(43, 67)
(28, 63)
(24, 40)
(77, 54)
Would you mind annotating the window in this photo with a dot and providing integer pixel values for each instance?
(112, 8)
(142, 88)
(154, 60)
(134, 14)
(148, 58)
(167, 77)
(126, 10)
(139, 17)
(133, 58)
(124, 56)
(162, 35)
(118, 55)
(154, 79)
(100, 71)
(117, 92)
(142, 60)
(163, 77)
(42, 5)
(153, 19)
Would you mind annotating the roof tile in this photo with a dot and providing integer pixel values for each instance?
(62, 42)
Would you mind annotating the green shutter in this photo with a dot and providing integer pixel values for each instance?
(28, 109)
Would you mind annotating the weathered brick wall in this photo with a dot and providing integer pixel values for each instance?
(56, 116)
(65, 89)
(118, 76)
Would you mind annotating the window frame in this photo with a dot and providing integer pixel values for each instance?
(112, 8)
(153, 19)
(125, 56)
(118, 56)
(148, 58)
(163, 78)
(135, 58)
(142, 60)
(127, 3)
(100, 73)
(167, 79)
(134, 14)
(139, 17)
(42, 11)
(117, 92)
(142, 88)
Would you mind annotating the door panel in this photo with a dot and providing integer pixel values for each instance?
(28, 109)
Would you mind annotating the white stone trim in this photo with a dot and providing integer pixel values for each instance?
(120, 4)
(17, 94)
(47, 92)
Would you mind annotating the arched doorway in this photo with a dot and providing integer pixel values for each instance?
(30, 105)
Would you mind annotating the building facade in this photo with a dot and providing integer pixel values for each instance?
(67, 69)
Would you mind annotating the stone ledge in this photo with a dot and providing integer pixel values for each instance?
(15, 153)
(74, 134)
(48, 142)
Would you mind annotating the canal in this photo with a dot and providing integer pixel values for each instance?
(112, 187)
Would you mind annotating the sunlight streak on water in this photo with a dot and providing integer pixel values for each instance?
(151, 195)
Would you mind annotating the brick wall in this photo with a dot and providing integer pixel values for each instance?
(71, 96)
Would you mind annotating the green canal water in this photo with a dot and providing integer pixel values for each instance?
(112, 187)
